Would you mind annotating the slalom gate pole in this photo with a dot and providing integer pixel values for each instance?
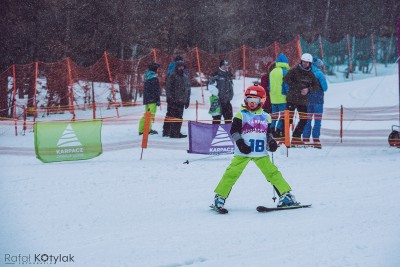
(287, 131)
(145, 138)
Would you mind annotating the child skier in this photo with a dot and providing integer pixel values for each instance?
(251, 133)
(151, 95)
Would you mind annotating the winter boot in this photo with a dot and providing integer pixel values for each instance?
(219, 201)
(317, 143)
(153, 132)
(297, 142)
(287, 199)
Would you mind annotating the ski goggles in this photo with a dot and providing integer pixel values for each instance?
(256, 100)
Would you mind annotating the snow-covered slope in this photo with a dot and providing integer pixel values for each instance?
(117, 210)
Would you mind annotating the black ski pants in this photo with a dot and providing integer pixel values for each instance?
(226, 111)
(172, 127)
(302, 110)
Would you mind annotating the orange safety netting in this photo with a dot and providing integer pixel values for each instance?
(63, 86)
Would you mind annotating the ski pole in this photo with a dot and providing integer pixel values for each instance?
(273, 187)
(187, 161)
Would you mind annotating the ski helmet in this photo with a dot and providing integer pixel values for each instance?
(255, 91)
(307, 57)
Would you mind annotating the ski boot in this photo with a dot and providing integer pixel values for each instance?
(153, 132)
(286, 200)
(317, 143)
(219, 201)
(218, 206)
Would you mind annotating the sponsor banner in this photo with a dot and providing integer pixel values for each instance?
(62, 141)
(210, 138)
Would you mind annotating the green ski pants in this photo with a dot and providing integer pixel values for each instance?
(149, 107)
(235, 169)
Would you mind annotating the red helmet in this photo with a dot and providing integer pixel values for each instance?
(255, 91)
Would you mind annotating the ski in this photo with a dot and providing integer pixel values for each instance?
(266, 209)
(219, 210)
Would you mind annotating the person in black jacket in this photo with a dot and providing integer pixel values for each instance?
(301, 81)
(221, 85)
(151, 95)
(178, 98)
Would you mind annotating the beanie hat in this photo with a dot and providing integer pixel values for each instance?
(178, 58)
(153, 66)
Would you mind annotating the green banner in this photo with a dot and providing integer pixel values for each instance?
(61, 141)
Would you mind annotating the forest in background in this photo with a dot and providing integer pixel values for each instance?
(50, 30)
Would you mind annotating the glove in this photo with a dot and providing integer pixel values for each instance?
(245, 149)
(304, 91)
(273, 146)
(158, 103)
(187, 105)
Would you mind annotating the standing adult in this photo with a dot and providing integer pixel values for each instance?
(171, 66)
(278, 90)
(151, 95)
(301, 81)
(315, 105)
(221, 85)
(178, 98)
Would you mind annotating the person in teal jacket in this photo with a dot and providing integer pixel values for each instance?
(151, 95)
(315, 106)
(251, 132)
(277, 91)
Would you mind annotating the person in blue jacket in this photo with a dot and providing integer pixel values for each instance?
(315, 106)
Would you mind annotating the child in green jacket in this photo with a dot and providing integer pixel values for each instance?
(251, 133)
